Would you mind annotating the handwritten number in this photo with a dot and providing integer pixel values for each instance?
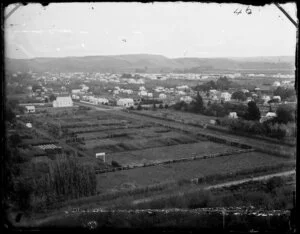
(238, 12)
(248, 11)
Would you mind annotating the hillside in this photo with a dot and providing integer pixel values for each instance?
(150, 63)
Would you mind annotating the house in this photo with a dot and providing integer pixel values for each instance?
(269, 115)
(142, 88)
(225, 96)
(150, 94)
(182, 87)
(76, 91)
(29, 109)
(277, 98)
(276, 84)
(126, 102)
(143, 93)
(232, 115)
(245, 90)
(266, 98)
(28, 125)
(186, 99)
(75, 97)
(249, 99)
(162, 96)
(181, 92)
(63, 102)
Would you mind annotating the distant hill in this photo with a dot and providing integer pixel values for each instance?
(149, 63)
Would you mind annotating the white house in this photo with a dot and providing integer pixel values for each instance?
(142, 88)
(182, 87)
(245, 90)
(269, 115)
(63, 102)
(150, 94)
(75, 97)
(186, 99)
(143, 93)
(276, 84)
(265, 98)
(162, 96)
(181, 92)
(277, 97)
(232, 115)
(30, 109)
(76, 91)
(126, 102)
(225, 96)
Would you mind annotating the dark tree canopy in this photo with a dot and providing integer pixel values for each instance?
(239, 95)
(284, 93)
(253, 112)
(285, 113)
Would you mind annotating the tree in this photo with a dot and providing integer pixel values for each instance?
(284, 93)
(15, 139)
(253, 112)
(285, 113)
(52, 97)
(139, 107)
(223, 83)
(10, 115)
(198, 106)
(239, 95)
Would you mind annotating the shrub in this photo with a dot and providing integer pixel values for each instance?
(115, 164)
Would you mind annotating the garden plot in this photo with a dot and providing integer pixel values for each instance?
(146, 176)
(139, 157)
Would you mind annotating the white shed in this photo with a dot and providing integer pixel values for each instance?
(232, 115)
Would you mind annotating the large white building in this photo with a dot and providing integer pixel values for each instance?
(126, 102)
(225, 96)
(63, 102)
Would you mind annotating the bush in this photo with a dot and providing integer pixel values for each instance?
(115, 164)
(274, 183)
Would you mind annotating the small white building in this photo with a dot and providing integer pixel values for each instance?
(232, 115)
(186, 99)
(276, 84)
(75, 97)
(269, 115)
(63, 102)
(76, 91)
(28, 125)
(126, 102)
(29, 109)
(142, 88)
(162, 96)
(225, 96)
(149, 94)
(277, 98)
(143, 93)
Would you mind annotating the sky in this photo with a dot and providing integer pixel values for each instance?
(172, 29)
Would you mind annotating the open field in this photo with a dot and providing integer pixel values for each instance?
(140, 177)
(179, 116)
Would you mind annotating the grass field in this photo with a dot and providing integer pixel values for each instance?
(138, 157)
(185, 170)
